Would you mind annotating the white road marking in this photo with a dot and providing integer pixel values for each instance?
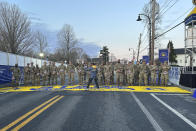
(171, 94)
(3, 93)
(147, 113)
(175, 112)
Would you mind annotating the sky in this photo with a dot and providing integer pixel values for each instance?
(99, 23)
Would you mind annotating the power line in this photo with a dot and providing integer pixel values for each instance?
(174, 21)
(169, 30)
(165, 5)
(170, 7)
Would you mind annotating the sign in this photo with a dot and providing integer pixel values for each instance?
(163, 55)
(146, 58)
(6, 74)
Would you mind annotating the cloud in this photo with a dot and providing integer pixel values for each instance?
(91, 48)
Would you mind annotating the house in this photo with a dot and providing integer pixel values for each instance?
(181, 61)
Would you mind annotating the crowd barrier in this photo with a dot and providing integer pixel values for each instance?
(8, 60)
(174, 75)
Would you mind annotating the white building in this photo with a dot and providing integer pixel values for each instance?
(181, 61)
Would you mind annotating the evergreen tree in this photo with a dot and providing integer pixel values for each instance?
(105, 54)
(172, 55)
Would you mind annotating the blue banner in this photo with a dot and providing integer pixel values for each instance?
(146, 58)
(6, 74)
(163, 55)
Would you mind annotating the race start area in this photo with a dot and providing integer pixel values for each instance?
(93, 88)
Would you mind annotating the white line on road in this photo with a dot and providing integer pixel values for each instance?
(171, 94)
(175, 112)
(147, 113)
(3, 93)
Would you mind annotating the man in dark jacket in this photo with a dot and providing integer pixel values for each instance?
(93, 75)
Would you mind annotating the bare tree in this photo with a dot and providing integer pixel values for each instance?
(15, 31)
(67, 41)
(148, 12)
(41, 42)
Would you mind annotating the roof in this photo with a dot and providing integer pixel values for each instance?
(181, 51)
(191, 17)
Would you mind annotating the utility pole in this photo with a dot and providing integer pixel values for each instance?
(138, 52)
(153, 2)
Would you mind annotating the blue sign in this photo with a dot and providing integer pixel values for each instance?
(146, 58)
(6, 74)
(163, 55)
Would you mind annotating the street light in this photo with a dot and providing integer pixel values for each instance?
(41, 55)
(149, 22)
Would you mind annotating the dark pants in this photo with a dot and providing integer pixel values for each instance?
(91, 79)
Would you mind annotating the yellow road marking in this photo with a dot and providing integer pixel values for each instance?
(35, 115)
(27, 114)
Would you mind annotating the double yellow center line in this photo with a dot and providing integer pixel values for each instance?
(47, 104)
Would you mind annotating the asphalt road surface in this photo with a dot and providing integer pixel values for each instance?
(96, 111)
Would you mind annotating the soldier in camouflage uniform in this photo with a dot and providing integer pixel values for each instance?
(164, 74)
(54, 75)
(100, 74)
(112, 74)
(80, 71)
(49, 73)
(71, 72)
(154, 69)
(107, 73)
(37, 75)
(88, 73)
(26, 74)
(44, 71)
(125, 66)
(119, 73)
(136, 73)
(143, 75)
(130, 73)
(15, 75)
(32, 74)
(62, 72)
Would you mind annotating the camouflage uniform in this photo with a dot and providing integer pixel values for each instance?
(119, 73)
(62, 72)
(164, 74)
(49, 73)
(112, 74)
(71, 72)
(15, 75)
(107, 73)
(37, 75)
(130, 73)
(32, 74)
(26, 75)
(44, 71)
(143, 75)
(101, 74)
(80, 73)
(153, 70)
(137, 72)
(54, 74)
(88, 74)
(125, 66)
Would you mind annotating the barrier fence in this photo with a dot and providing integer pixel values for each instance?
(8, 60)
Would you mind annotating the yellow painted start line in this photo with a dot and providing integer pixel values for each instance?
(92, 88)
(36, 112)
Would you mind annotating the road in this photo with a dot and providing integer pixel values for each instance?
(96, 111)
